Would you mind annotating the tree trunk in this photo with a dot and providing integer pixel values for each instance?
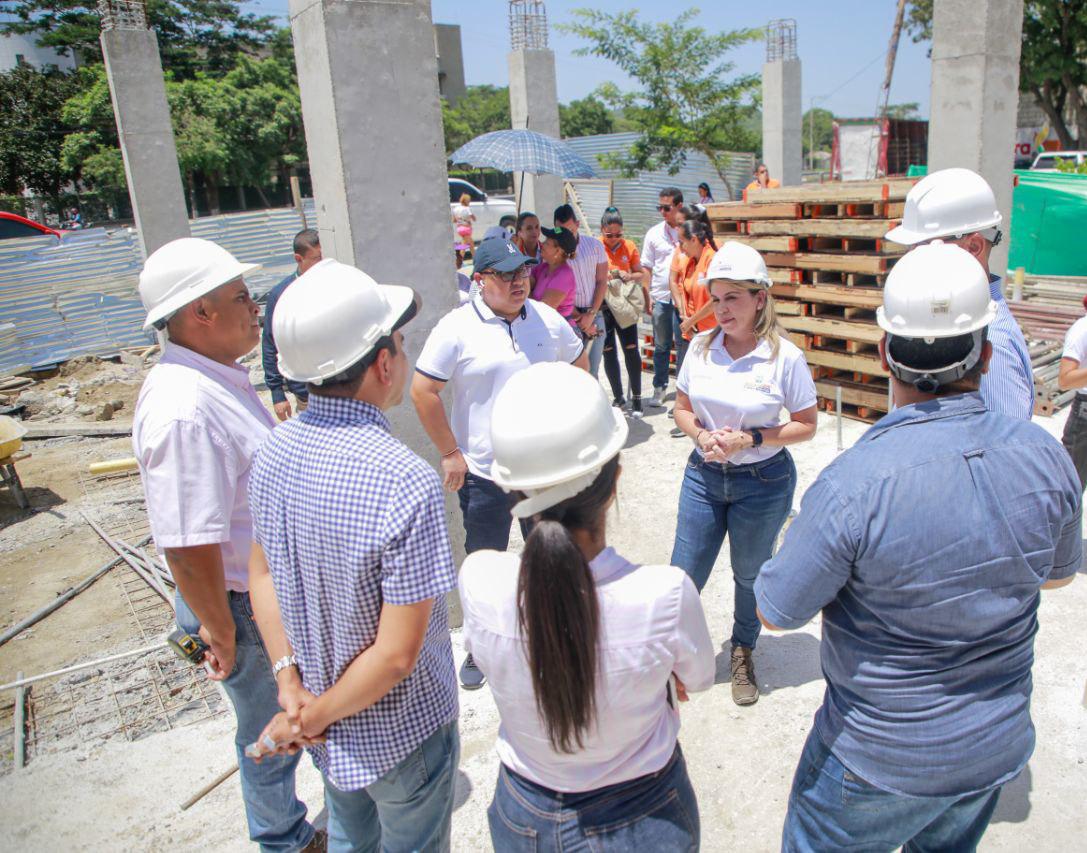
(191, 179)
(263, 197)
(241, 198)
(1079, 109)
(211, 187)
(1054, 110)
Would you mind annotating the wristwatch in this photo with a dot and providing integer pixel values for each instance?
(283, 663)
(756, 437)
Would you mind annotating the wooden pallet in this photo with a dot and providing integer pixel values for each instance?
(871, 228)
(852, 362)
(846, 330)
(856, 297)
(835, 192)
(768, 244)
(740, 210)
(872, 264)
(856, 245)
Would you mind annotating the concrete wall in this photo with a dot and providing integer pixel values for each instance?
(447, 47)
(782, 120)
(134, 71)
(975, 96)
(534, 104)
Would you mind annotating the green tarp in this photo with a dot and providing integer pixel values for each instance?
(1049, 222)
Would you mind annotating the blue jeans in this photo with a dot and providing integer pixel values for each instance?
(596, 345)
(409, 808)
(486, 511)
(833, 809)
(276, 817)
(663, 335)
(680, 342)
(748, 502)
(658, 812)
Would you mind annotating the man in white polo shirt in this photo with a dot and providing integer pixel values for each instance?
(1073, 375)
(197, 424)
(660, 241)
(590, 266)
(476, 349)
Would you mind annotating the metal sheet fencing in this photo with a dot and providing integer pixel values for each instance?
(637, 197)
(78, 296)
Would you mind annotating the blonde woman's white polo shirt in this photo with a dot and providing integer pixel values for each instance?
(748, 392)
(476, 352)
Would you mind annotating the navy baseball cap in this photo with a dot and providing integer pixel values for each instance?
(500, 255)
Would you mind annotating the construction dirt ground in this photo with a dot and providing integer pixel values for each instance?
(120, 788)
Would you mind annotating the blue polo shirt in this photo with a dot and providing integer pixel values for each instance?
(925, 546)
(1008, 386)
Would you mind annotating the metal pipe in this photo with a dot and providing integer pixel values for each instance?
(20, 682)
(838, 409)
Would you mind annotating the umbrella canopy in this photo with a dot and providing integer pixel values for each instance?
(523, 151)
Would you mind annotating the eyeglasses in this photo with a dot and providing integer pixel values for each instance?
(664, 208)
(509, 277)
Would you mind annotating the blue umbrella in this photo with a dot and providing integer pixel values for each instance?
(523, 151)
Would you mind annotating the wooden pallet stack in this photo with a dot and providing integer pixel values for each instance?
(828, 260)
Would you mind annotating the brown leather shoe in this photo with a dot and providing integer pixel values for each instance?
(318, 844)
(744, 689)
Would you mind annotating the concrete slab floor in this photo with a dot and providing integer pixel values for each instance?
(124, 796)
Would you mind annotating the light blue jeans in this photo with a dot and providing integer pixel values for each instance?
(664, 330)
(831, 808)
(748, 502)
(596, 345)
(277, 818)
(409, 808)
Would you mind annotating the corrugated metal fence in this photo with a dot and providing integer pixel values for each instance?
(637, 197)
(78, 296)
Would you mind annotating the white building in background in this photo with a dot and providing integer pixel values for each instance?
(16, 50)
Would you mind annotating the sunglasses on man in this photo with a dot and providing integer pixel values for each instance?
(509, 277)
(664, 208)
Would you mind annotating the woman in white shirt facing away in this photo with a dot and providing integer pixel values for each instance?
(586, 653)
(730, 393)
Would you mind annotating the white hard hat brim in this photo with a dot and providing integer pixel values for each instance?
(905, 237)
(176, 303)
(903, 331)
(615, 443)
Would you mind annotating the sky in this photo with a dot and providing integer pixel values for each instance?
(841, 44)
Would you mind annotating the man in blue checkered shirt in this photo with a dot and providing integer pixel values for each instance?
(349, 571)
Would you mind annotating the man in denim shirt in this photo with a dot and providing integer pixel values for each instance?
(925, 547)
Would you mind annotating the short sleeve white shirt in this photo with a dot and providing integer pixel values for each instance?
(652, 625)
(476, 352)
(660, 241)
(1075, 345)
(748, 392)
(589, 255)
(196, 427)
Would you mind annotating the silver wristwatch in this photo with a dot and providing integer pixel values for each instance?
(283, 663)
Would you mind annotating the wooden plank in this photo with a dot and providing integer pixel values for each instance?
(868, 333)
(894, 209)
(846, 361)
(739, 210)
(786, 308)
(855, 395)
(784, 275)
(844, 263)
(871, 228)
(65, 430)
(783, 291)
(845, 192)
(855, 296)
(767, 244)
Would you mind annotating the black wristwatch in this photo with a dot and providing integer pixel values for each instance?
(756, 437)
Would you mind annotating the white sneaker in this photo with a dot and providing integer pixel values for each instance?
(657, 400)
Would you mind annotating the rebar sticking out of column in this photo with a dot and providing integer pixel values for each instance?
(528, 25)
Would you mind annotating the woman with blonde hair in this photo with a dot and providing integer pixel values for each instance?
(463, 219)
(734, 384)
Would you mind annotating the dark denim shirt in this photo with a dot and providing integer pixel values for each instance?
(275, 380)
(925, 546)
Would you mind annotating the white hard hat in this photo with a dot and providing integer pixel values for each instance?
(332, 316)
(948, 203)
(737, 262)
(183, 270)
(936, 291)
(552, 430)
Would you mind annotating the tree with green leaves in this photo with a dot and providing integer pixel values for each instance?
(908, 111)
(193, 35)
(818, 130)
(688, 99)
(1052, 62)
(480, 110)
(585, 117)
(32, 130)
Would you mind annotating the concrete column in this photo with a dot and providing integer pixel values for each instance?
(534, 104)
(975, 96)
(134, 71)
(368, 78)
(782, 121)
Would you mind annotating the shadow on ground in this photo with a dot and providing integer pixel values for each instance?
(462, 789)
(640, 432)
(40, 499)
(1014, 803)
(781, 660)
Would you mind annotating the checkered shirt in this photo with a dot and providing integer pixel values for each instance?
(350, 519)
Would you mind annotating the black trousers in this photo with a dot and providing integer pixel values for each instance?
(628, 340)
(1075, 436)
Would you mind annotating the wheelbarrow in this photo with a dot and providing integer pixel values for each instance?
(11, 441)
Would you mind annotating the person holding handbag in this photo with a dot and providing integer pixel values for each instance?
(587, 653)
(626, 300)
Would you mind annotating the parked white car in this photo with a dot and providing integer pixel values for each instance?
(1047, 160)
(488, 210)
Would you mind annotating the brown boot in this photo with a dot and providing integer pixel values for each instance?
(744, 689)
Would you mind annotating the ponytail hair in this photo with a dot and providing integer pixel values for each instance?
(693, 229)
(559, 613)
(697, 213)
(611, 216)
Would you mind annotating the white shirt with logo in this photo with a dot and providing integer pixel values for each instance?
(660, 241)
(748, 392)
(476, 352)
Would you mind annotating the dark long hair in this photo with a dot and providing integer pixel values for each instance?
(559, 613)
(692, 228)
